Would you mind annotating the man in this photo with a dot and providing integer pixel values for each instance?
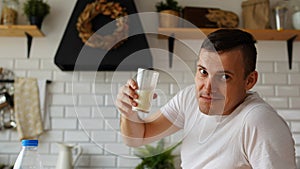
(225, 125)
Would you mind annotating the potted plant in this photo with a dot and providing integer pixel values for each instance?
(3, 166)
(167, 10)
(157, 157)
(36, 10)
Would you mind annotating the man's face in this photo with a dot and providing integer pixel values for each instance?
(220, 82)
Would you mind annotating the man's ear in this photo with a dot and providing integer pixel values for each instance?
(251, 80)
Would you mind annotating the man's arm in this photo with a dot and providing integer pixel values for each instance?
(136, 131)
(140, 132)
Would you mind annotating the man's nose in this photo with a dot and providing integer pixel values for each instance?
(208, 84)
(211, 85)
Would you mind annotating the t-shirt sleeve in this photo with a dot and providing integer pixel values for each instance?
(267, 140)
(173, 110)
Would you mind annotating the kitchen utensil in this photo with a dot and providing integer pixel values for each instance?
(3, 101)
(10, 122)
(6, 74)
(8, 119)
(1, 120)
(7, 114)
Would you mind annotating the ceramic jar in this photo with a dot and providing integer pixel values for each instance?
(295, 6)
(168, 19)
(9, 12)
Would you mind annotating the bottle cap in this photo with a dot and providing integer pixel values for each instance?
(30, 142)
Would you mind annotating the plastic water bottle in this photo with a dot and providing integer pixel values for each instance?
(29, 158)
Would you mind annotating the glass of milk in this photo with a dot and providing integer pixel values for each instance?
(147, 81)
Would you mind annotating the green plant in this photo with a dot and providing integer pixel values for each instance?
(168, 5)
(37, 8)
(2, 166)
(157, 157)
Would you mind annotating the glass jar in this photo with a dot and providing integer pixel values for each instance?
(9, 12)
(280, 12)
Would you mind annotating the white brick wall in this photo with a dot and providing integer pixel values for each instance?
(82, 112)
(81, 103)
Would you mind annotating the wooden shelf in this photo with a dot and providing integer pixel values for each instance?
(199, 33)
(20, 30)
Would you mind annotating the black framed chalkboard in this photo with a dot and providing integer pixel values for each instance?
(72, 54)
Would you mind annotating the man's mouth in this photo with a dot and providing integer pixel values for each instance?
(211, 97)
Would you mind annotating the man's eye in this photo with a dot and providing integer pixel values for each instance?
(203, 72)
(225, 77)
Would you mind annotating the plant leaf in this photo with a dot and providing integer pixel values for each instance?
(151, 149)
(156, 157)
(141, 152)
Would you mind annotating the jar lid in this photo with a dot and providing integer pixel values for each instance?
(30, 142)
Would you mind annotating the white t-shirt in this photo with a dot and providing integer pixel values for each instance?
(253, 136)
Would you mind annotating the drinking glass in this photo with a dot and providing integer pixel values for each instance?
(147, 81)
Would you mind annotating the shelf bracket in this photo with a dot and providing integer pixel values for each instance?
(29, 42)
(290, 50)
(171, 40)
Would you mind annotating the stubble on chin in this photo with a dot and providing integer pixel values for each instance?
(212, 108)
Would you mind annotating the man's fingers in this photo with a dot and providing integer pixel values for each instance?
(132, 84)
(124, 108)
(128, 91)
(126, 99)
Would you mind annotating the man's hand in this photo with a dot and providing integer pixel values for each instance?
(126, 96)
(136, 131)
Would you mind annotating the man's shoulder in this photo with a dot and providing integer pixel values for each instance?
(187, 91)
(254, 102)
(257, 112)
(190, 88)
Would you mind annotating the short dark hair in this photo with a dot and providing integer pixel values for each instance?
(224, 40)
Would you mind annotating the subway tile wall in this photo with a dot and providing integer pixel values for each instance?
(81, 103)
(82, 110)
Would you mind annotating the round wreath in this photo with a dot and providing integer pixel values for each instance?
(112, 9)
